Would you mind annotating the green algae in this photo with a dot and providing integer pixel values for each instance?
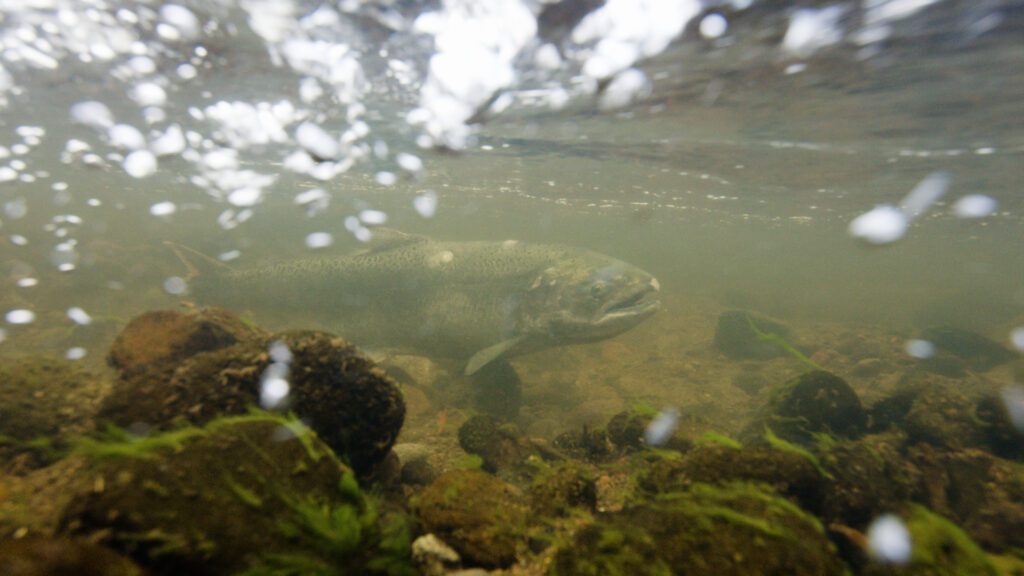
(780, 444)
(119, 443)
(712, 437)
(247, 496)
(943, 547)
(779, 341)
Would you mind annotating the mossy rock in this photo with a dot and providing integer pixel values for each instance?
(1002, 436)
(252, 493)
(787, 473)
(816, 402)
(735, 529)
(162, 338)
(867, 478)
(984, 493)
(626, 429)
(824, 401)
(945, 418)
(498, 443)
(736, 335)
(978, 352)
(609, 550)
(44, 402)
(62, 557)
(350, 403)
(939, 548)
(476, 514)
(558, 489)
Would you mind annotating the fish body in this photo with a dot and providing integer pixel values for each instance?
(471, 301)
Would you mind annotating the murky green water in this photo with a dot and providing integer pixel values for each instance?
(733, 182)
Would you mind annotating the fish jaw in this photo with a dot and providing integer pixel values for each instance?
(629, 307)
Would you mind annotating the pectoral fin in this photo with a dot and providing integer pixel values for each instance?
(490, 354)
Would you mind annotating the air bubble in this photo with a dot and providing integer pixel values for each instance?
(920, 349)
(175, 285)
(319, 240)
(20, 316)
(889, 540)
(79, 316)
(426, 204)
(660, 430)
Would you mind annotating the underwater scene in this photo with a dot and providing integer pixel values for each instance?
(518, 287)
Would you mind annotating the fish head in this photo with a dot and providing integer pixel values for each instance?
(590, 298)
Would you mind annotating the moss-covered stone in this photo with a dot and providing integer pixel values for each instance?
(813, 403)
(824, 401)
(609, 550)
(737, 336)
(735, 529)
(557, 489)
(254, 492)
(43, 403)
(626, 429)
(586, 443)
(945, 418)
(787, 473)
(60, 557)
(939, 548)
(498, 443)
(978, 352)
(985, 494)
(162, 338)
(478, 515)
(866, 478)
(339, 392)
(1002, 437)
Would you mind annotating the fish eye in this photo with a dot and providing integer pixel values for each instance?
(599, 289)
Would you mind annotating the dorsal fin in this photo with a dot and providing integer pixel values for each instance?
(196, 262)
(383, 239)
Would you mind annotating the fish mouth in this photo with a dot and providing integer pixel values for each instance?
(641, 302)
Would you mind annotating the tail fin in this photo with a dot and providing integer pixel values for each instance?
(196, 263)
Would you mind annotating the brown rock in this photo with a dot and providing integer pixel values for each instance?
(165, 337)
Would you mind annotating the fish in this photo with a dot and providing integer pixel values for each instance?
(472, 301)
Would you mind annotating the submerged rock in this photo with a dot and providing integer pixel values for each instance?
(978, 352)
(742, 335)
(939, 548)
(433, 557)
(163, 338)
(43, 403)
(62, 556)
(1003, 437)
(984, 493)
(475, 513)
(866, 478)
(255, 491)
(497, 390)
(344, 397)
(600, 549)
(733, 529)
(788, 473)
(499, 444)
(943, 417)
(816, 402)
(765, 534)
(565, 486)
